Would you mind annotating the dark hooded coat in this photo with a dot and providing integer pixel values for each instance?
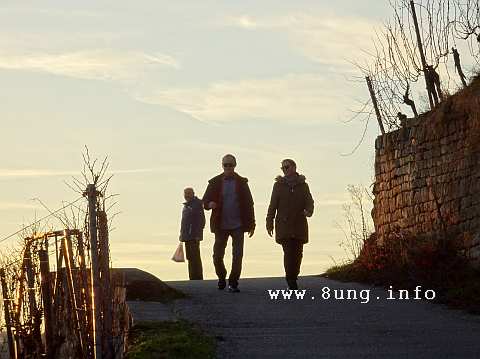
(286, 209)
(193, 221)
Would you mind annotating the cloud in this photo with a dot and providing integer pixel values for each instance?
(14, 173)
(293, 97)
(34, 173)
(139, 170)
(244, 21)
(105, 64)
(326, 38)
(331, 202)
(259, 150)
(4, 206)
(24, 9)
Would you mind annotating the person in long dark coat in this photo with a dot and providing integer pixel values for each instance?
(231, 202)
(191, 232)
(290, 205)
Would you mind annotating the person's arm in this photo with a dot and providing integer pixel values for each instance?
(182, 227)
(199, 216)
(272, 210)
(308, 203)
(207, 197)
(202, 218)
(251, 210)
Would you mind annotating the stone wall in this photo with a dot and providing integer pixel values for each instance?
(427, 176)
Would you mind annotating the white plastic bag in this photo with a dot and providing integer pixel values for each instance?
(178, 256)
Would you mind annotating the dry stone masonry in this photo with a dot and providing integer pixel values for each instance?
(427, 175)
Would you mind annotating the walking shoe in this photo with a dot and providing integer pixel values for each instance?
(233, 289)
(222, 284)
(292, 284)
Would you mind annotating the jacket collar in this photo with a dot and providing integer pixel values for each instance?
(220, 177)
(233, 177)
(195, 198)
(298, 179)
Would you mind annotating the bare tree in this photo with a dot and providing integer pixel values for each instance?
(415, 44)
(358, 225)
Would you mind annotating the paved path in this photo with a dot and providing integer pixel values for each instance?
(250, 325)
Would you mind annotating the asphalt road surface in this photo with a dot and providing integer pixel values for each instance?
(250, 324)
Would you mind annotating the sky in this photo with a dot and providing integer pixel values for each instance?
(165, 89)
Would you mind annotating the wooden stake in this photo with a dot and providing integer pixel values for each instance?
(96, 293)
(422, 54)
(106, 285)
(6, 308)
(20, 290)
(47, 303)
(67, 254)
(458, 66)
(375, 104)
(86, 281)
(36, 333)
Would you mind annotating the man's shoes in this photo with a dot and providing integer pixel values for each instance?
(233, 289)
(292, 284)
(222, 284)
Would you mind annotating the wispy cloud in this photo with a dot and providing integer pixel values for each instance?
(331, 202)
(261, 149)
(325, 38)
(18, 173)
(138, 170)
(15, 173)
(104, 64)
(24, 9)
(293, 97)
(244, 21)
(6, 206)
(333, 199)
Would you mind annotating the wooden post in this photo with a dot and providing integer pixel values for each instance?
(92, 213)
(422, 54)
(408, 101)
(375, 104)
(106, 285)
(67, 254)
(58, 275)
(35, 319)
(77, 289)
(57, 253)
(6, 308)
(86, 299)
(20, 294)
(47, 303)
(458, 66)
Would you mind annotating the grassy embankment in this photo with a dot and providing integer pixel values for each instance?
(162, 339)
(158, 340)
(457, 286)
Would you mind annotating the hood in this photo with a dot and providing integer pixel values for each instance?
(298, 179)
(194, 199)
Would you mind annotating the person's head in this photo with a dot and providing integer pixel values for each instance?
(188, 194)
(229, 163)
(289, 167)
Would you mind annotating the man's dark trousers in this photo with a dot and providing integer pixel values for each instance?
(192, 252)
(292, 258)
(221, 239)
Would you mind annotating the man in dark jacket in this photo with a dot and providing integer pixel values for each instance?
(231, 202)
(290, 205)
(191, 232)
